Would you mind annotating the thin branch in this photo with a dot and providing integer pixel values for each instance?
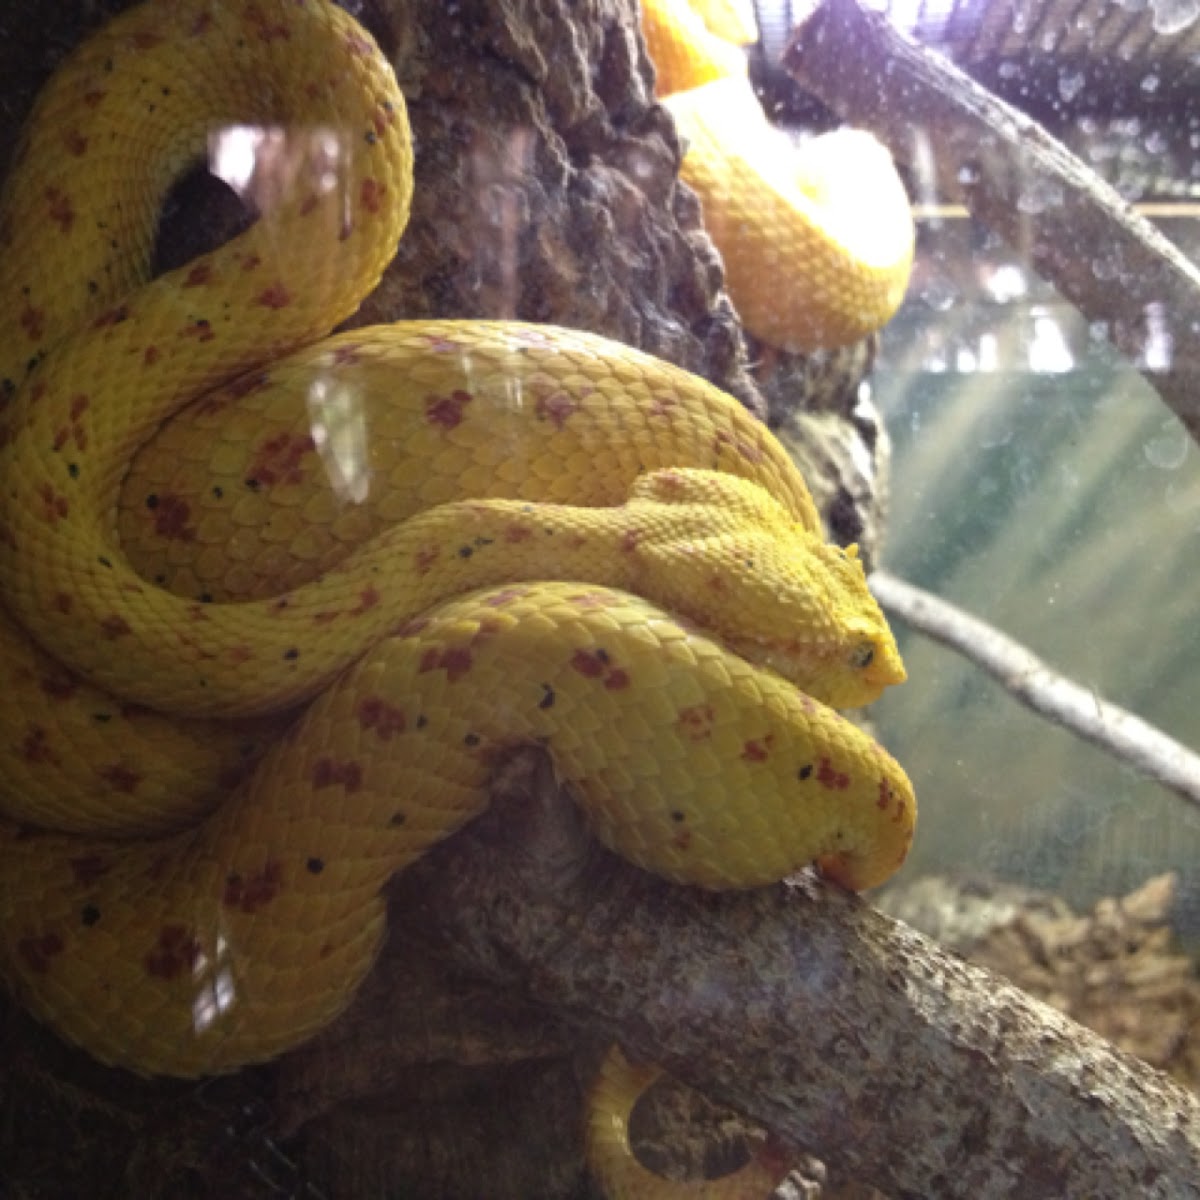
(1039, 687)
(1076, 231)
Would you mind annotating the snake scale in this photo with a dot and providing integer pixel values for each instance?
(212, 761)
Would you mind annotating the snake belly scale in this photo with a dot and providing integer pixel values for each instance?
(668, 621)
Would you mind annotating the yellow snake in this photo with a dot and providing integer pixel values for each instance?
(291, 740)
(817, 239)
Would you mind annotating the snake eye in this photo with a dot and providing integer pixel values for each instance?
(862, 655)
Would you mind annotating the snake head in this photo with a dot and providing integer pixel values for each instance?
(720, 551)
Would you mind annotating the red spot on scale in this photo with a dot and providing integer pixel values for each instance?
(328, 772)
(33, 322)
(596, 664)
(757, 750)
(372, 195)
(121, 778)
(454, 660)
(275, 296)
(75, 142)
(115, 627)
(199, 276)
(739, 445)
(201, 25)
(556, 408)
(94, 98)
(201, 330)
(588, 663)
(268, 31)
(176, 950)
(425, 558)
(87, 868)
(591, 601)
(249, 893)
(514, 534)
(60, 209)
(368, 599)
(146, 39)
(277, 461)
(357, 44)
(696, 722)
(629, 540)
(384, 719)
(347, 354)
(59, 687)
(36, 746)
(171, 516)
(54, 505)
(150, 356)
(830, 777)
(505, 597)
(111, 317)
(39, 950)
(63, 602)
(447, 411)
(382, 117)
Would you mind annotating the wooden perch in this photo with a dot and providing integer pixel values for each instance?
(839, 1029)
(1074, 229)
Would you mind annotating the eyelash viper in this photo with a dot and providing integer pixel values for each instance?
(431, 644)
(817, 239)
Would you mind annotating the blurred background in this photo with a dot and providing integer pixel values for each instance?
(1038, 481)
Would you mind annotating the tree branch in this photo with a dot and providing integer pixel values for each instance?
(1027, 678)
(1075, 230)
(837, 1028)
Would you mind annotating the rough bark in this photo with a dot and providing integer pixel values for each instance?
(1075, 230)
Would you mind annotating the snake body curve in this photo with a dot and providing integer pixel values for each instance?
(229, 941)
(817, 238)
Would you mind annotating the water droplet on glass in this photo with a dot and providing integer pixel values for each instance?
(1173, 16)
(1040, 195)
(1150, 84)
(939, 294)
(1070, 84)
(1169, 449)
(968, 174)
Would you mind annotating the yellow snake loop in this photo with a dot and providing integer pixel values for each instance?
(213, 758)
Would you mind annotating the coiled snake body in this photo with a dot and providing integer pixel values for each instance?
(679, 670)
